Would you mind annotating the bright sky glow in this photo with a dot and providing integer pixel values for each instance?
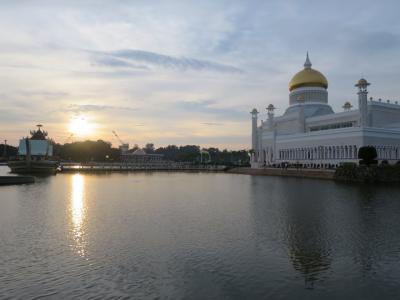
(80, 127)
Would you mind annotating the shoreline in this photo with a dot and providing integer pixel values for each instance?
(299, 173)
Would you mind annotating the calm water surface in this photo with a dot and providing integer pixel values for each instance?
(198, 236)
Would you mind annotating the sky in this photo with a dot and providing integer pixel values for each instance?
(182, 72)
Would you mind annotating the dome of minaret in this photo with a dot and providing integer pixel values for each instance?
(308, 77)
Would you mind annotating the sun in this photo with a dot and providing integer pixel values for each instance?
(79, 126)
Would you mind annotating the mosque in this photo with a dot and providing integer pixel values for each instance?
(310, 133)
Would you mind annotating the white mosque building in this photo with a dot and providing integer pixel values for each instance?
(310, 133)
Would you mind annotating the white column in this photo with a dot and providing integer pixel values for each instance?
(363, 102)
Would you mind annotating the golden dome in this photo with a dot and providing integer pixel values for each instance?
(308, 78)
(362, 81)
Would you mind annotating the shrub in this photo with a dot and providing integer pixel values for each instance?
(349, 165)
(367, 154)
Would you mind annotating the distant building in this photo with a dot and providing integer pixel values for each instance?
(311, 133)
(139, 156)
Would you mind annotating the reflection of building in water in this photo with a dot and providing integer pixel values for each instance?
(307, 252)
(307, 238)
(311, 133)
(289, 210)
(376, 222)
(78, 211)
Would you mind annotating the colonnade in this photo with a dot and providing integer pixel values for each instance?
(388, 152)
(335, 153)
(343, 152)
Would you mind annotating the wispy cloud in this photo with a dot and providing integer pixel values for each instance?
(108, 61)
(125, 58)
(77, 108)
(212, 124)
(210, 107)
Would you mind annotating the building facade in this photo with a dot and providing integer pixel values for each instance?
(140, 157)
(311, 134)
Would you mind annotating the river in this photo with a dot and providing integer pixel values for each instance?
(161, 235)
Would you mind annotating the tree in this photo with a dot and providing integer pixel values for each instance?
(367, 154)
(87, 151)
(149, 148)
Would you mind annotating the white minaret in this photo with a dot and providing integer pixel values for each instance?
(270, 112)
(362, 85)
(254, 123)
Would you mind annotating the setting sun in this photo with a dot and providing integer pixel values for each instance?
(80, 126)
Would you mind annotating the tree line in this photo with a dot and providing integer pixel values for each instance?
(7, 151)
(103, 151)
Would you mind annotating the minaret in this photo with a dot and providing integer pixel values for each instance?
(270, 112)
(254, 123)
(363, 101)
(347, 106)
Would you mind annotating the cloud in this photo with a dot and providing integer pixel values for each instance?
(117, 63)
(208, 107)
(212, 124)
(45, 94)
(124, 58)
(77, 108)
(158, 63)
(383, 41)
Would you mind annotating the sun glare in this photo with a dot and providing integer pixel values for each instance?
(79, 126)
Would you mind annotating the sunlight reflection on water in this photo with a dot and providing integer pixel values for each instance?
(78, 212)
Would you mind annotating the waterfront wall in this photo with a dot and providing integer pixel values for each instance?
(382, 173)
(346, 173)
(302, 173)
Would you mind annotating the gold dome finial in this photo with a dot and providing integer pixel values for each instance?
(307, 64)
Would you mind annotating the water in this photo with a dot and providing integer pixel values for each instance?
(198, 236)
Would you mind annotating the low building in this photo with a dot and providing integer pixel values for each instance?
(310, 133)
(139, 156)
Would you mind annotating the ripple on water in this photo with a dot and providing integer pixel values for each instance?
(197, 236)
